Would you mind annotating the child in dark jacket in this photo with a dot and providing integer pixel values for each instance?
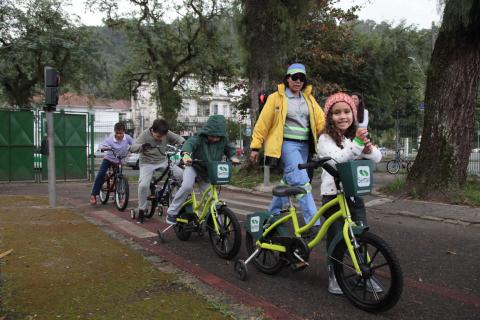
(209, 144)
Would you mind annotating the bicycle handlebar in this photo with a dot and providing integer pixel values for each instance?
(321, 162)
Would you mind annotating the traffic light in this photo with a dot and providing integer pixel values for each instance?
(52, 79)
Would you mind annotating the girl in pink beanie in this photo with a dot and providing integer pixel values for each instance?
(342, 141)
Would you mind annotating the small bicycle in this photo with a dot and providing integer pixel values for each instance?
(115, 182)
(366, 268)
(220, 221)
(393, 166)
(160, 198)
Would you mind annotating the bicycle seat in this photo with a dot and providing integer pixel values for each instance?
(286, 191)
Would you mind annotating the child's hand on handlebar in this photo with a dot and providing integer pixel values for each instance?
(235, 160)
(187, 160)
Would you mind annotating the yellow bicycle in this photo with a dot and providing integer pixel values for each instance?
(366, 268)
(211, 214)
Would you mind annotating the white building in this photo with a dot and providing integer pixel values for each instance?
(196, 107)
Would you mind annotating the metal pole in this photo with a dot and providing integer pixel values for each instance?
(52, 195)
(266, 173)
(92, 145)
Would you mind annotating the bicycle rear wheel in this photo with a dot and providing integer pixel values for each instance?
(122, 193)
(380, 286)
(105, 191)
(267, 261)
(409, 165)
(393, 166)
(226, 244)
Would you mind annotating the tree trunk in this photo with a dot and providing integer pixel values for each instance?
(440, 168)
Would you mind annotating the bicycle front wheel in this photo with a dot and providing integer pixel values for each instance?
(393, 166)
(105, 191)
(122, 193)
(380, 286)
(227, 243)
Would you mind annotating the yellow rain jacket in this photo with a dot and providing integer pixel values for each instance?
(268, 129)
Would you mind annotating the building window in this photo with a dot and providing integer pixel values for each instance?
(203, 110)
(215, 109)
(225, 110)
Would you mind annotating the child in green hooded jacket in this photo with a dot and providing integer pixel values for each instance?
(210, 143)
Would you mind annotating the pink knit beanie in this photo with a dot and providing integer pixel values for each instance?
(340, 97)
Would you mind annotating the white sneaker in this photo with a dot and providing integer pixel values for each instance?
(333, 286)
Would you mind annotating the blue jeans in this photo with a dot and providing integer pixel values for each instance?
(102, 171)
(294, 153)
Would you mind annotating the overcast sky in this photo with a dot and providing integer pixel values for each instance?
(420, 13)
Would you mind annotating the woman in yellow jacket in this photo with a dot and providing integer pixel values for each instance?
(288, 129)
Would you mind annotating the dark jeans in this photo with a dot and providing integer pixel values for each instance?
(97, 185)
(357, 210)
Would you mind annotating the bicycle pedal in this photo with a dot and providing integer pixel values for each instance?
(299, 266)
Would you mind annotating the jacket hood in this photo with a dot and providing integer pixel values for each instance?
(215, 126)
(307, 91)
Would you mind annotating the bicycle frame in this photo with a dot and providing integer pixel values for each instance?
(209, 200)
(347, 230)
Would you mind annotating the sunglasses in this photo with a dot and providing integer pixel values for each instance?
(298, 76)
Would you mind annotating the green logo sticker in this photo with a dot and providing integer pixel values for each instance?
(363, 176)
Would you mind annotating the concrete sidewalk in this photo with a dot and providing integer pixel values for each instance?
(434, 211)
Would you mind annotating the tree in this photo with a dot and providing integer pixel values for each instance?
(268, 30)
(37, 33)
(168, 53)
(440, 168)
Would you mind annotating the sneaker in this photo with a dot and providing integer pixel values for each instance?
(141, 216)
(171, 219)
(93, 200)
(333, 286)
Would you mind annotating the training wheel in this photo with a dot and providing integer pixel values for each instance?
(160, 236)
(133, 214)
(241, 270)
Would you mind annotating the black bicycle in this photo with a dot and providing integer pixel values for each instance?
(115, 182)
(162, 194)
(393, 166)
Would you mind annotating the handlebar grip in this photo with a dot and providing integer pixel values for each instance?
(307, 165)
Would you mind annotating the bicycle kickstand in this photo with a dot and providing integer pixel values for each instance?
(161, 233)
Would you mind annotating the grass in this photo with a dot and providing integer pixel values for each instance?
(469, 195)
(251, 176)
(472, 191)
(64, 267)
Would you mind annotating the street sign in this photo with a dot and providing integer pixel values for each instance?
(248, 131)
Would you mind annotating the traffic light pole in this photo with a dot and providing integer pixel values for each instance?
(52, 194)
(52, 79)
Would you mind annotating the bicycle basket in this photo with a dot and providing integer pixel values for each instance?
(255, 224)
(219, 172)
(356, 177)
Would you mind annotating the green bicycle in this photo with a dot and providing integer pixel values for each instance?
(212, 214)
(366, 268)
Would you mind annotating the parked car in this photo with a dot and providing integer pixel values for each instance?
(132, 160)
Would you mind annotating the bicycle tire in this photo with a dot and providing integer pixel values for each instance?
(383, 269)
(105, 191)
(229, 226)
(409, 165)
(122, 193)
(151, 206)
(393, 166)
(260, 260)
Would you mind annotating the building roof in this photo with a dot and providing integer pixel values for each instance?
(74, 100)
(86, 101)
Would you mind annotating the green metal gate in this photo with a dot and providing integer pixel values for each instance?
(16, 145)
(70, 146)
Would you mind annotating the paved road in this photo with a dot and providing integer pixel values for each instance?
(439, 260)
